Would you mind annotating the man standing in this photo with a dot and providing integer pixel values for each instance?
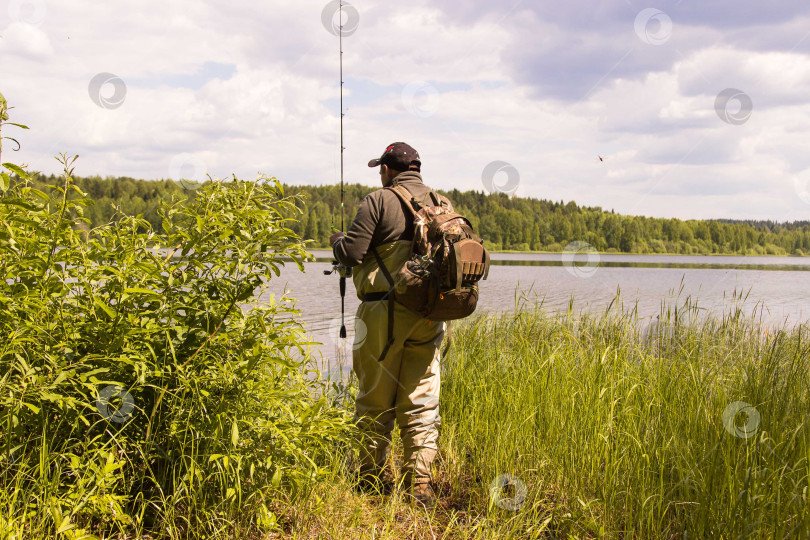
(398, 377)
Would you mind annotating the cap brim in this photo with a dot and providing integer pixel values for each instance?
(374, 162)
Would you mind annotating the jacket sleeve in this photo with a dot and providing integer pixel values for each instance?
(352, 248)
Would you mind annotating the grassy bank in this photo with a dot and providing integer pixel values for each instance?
(606, 431)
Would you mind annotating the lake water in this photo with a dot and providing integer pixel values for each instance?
(777, 288)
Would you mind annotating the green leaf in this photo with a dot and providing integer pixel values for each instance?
(81, 534)
(20, 202)
(16, 170)
(141, 291)
(86, 375)
(38, 193)
(66, 525)
(32, 407)
(234, 433)
(5, 182)
(107, 309)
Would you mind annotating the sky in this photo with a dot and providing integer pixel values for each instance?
(685, 109)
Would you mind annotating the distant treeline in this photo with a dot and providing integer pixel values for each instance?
(505, 223)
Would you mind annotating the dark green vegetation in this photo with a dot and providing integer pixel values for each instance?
(505, 223)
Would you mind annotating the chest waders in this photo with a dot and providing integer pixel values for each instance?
(371, 297)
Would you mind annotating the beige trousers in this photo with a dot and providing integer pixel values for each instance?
(403, 387)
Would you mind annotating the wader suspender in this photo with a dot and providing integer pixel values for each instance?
(390, 295)
(387, 274)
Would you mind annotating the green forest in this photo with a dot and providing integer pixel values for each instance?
(519, 224)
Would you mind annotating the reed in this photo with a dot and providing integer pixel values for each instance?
(600, 425)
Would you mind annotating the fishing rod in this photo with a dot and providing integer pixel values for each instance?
(342, 270)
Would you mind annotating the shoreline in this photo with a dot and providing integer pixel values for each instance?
(600, 253)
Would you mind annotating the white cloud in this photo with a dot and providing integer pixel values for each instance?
(25, 40)
(502, 85)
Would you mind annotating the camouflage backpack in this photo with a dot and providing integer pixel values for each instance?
(440, 278)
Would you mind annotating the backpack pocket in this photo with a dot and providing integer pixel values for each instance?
(454, 303)
(469, 263)
(412, 287)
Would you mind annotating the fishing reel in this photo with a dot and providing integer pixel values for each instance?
(341, 269)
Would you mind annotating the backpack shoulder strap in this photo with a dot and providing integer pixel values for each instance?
(405, 196)
(434, 197)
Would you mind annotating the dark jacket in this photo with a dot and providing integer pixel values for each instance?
(381, 218)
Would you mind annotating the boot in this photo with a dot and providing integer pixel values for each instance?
(374, 483)
(424, 495)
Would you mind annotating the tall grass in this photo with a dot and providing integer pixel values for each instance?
(621, 433)
(598, 425)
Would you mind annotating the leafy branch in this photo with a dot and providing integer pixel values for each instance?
(4, 108)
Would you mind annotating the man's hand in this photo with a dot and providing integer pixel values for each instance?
(335, 237)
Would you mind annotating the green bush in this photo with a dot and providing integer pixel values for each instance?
(143, 387)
